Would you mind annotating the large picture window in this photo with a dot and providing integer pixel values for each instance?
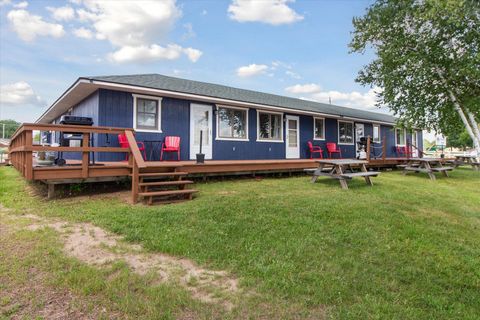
(147, 113)
(400, 137)
(345, 132)
(232, 123)
(270, 126)
(376, 133)
(319, 128)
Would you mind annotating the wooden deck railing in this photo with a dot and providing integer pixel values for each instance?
(369, 148)
(22, 148)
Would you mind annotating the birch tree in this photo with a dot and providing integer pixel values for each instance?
(427, 61)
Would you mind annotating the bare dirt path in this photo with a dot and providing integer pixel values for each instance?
(95, 246)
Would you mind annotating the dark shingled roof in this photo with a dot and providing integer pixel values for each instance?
(157, 81)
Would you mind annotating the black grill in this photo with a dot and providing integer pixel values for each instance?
(77, 121)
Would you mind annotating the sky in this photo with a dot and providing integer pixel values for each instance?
(294, 48)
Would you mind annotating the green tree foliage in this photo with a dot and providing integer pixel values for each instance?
(10, 127)
(427, 60)
(459, 140)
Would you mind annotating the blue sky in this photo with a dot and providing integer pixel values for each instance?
(295, 48)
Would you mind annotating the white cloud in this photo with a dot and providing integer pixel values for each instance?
(19, 94)
(83, 33)
(292, 74)
(5, 2)
(252, 70)
(65, 13)
(29, 26)
(131, 23)
(153, 52)
(21, 5)
(189, 33)
(304, 88)
(193, 54)
(354, 99)
(273, 12)
(137, 29)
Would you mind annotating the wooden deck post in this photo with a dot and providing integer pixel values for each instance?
(368, 148)
(134, 182)
(384, 148)
(50, 191)
(28, 155)
(85, 155)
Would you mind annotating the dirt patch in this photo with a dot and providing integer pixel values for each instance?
(95, 246)
(28, 294)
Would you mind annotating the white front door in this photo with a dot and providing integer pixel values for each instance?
(415, 144)
(292, 142)
(359, 133)
(200, 121)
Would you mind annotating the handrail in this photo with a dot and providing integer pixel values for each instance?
(21, 145)
(67, 128)
(137, 156)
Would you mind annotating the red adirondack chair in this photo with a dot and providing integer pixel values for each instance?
(122, 139)
(332, 148)
(404, 151)
(314, 149)
(171, 144)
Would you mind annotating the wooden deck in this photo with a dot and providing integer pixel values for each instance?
(73, 169)
(22, 153)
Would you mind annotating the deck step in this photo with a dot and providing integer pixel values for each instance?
(165, 183)
(167, 193)
(162, 174)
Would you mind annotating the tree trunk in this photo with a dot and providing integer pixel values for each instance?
(474, 124)
(458, 108)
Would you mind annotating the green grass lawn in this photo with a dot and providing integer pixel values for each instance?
(406, 248)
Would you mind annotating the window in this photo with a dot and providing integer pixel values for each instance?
(270, 126)
(376, 133)
(400, 137)
(147, 113)
(232, 123)
(345, 132)
(318, 129)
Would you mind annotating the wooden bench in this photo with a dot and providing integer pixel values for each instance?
(439, 169)
(360, 174)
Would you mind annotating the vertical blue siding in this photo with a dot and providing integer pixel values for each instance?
(88, 107)
(247, 150)
(115, 109)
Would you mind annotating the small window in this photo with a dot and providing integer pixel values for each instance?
(376, 133)
(345, 132)
(400, 137)
(232, 123)
(147, 113)
(270, 126)
(319, 128)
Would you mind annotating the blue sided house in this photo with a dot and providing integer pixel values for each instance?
(235, 124)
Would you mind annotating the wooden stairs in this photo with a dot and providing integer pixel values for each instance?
(155, 187)
(164, 187)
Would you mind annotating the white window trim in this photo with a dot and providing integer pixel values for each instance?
(217, 137)
(159, 120)
(404, 138)
(338, 133)
(323, 134)
(379, 133)
(258, 126)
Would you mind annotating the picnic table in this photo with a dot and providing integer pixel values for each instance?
(338, 170)
(466, 160)
(426, 165)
